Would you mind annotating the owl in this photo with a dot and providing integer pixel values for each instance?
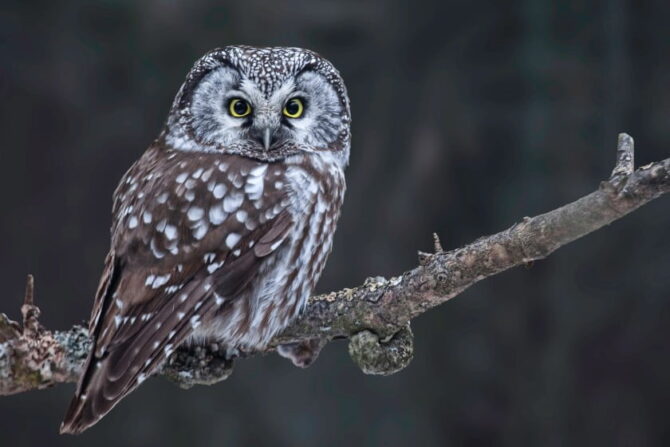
(222, 227)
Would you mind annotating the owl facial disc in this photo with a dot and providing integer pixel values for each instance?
(262, 103)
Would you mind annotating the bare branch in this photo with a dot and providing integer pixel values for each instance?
(374, 316)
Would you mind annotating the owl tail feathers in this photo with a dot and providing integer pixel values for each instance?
(104, 383)
(80, 414)
(89, 403)
(109, 378)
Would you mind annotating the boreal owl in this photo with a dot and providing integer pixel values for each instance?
(223, 226)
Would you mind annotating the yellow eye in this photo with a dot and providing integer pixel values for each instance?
(294, 108)
(239, 108)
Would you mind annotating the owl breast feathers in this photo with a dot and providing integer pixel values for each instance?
(222, 228)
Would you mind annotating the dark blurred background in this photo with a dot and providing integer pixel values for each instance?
(467, 117)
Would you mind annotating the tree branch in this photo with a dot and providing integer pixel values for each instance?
(374, 316)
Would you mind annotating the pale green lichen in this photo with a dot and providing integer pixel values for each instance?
(76, 345)
(5, 357)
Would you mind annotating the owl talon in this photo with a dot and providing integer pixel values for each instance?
(302, 354)
(181, 366)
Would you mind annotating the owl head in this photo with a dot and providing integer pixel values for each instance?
(263, 103)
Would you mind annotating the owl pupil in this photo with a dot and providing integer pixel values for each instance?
(293, 107)
(240, 107)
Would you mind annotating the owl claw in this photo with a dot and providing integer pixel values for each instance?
(302, 354)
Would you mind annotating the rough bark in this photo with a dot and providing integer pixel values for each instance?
(374, 316)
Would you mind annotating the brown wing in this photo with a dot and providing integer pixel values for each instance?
(190, 232)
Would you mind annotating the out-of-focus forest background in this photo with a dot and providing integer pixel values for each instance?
(467, 117)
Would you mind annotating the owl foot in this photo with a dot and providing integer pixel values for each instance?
(200, 365)
(302, 354)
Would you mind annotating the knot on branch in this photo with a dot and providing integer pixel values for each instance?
(382, 357)
(200, 365)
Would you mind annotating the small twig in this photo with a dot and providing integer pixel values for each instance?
(437, 245)
(30, 312)
(29, 296)
(625, 156)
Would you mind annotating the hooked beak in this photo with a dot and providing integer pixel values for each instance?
(267, 135)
